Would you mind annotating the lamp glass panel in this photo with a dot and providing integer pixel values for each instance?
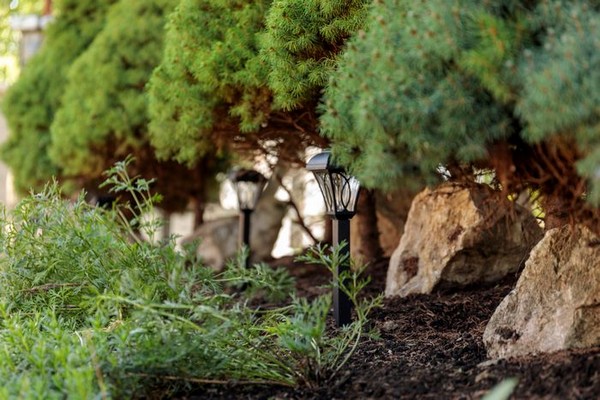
(248, 194)
(325, 185)
(346, 190)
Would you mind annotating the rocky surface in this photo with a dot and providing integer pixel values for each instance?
(556, 302)
(457, 236)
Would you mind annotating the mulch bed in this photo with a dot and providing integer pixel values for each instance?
(430, 347)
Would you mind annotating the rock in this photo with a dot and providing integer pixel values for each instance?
(218, 239)
(456, 236)
(556, 302)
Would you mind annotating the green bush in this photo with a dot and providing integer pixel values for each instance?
(498, 84)
(90, 310)
(301, 43)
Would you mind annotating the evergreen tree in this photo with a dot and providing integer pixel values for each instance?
(302, 41)
(508, 84)
(210, 81)
(561, 88)
(211, 88)
(104, 115)
(247, 75)
(301, 44)
(32, 101)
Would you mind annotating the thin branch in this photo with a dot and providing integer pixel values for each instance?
(208, 381)
(549, 164)
(294, 206)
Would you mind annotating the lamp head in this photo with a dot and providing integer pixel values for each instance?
(340, 191)
(249, 185)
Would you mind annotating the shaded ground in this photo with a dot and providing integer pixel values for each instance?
(431, 348)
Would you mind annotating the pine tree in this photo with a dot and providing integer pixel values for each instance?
(31, 102)
(104, 115)
(210, 80)
(302, 41)
(510, 85)
(561, 87)
(246, 76)
(104, 109)
(212, 87)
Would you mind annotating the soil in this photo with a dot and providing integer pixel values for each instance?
(430, 347)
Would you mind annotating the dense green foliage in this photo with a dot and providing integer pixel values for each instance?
(246, 74)
(439, 82)
(561, 82)
(509, 85)
(408, 92)
(103, 116)
(32, 102)
(210, 77)
(87, 311)
(301, 43)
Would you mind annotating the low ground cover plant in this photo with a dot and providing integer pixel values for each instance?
(88, 309)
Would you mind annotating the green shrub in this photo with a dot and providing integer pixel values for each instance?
(458, 86)
(90, 310)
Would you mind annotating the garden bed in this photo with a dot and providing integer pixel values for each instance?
(430, 347)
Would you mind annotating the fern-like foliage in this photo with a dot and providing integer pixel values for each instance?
(90, 310)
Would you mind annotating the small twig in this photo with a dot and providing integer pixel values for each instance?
(550, 165)
(209, 381)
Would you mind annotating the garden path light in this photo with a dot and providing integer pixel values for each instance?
(340, 192)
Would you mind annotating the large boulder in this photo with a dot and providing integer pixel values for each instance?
(556, 302)
(457, 235)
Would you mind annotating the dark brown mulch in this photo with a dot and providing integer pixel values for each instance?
(430, 347)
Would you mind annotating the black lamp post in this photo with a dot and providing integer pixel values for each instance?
(249, 185)
(340, 192)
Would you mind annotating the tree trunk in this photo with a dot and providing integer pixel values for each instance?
(370, 248)
(47, 7)
(556, 212)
